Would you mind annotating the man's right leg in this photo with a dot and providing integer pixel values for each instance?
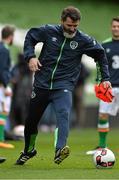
(103, 129)
(38, 103)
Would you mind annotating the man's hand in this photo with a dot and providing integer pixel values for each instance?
(106, 83)
(8, 91)
(103, 91)
(34, 64)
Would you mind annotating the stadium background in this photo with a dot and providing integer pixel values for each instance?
(96, 16)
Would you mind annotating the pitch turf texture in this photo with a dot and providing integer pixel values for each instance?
(77, 166)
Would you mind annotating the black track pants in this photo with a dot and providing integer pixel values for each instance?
(61, 101)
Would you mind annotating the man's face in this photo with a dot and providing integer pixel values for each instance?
(69, 27)
(11, 38)
(115, 29)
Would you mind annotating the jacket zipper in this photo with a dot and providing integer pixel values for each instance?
(58, 59)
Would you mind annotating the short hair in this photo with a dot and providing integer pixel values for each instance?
(71, 12)
(115, 19)
(7, 31)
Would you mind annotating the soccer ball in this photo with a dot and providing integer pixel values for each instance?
(104, 158)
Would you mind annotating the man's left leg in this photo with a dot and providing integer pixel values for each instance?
(5, 104)
(62, 102)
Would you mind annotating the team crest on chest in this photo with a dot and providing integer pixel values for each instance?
(73, 44)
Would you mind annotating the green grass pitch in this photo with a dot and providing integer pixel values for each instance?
(77, 166)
